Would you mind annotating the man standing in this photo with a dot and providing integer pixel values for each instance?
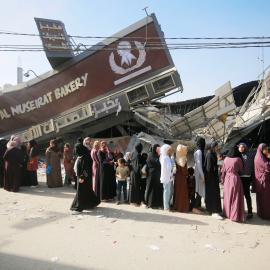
(246, 175)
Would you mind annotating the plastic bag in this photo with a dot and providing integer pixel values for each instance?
(49, 169)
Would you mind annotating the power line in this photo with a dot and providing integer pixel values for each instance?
(138, 37)
(153, 44)
(156, 48)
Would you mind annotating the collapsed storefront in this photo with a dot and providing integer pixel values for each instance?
(238, 119)
(93, 90)
(110, 90)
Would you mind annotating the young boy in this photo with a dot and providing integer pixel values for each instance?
(122, 173)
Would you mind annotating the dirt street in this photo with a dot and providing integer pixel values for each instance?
(38, 232)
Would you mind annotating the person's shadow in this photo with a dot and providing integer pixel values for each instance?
(13, 261)
(43, 190)
(107, 212)
(256, 220)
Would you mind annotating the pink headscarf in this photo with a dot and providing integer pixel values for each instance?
(261, 167)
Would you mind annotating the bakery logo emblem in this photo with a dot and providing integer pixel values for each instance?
(129, 61)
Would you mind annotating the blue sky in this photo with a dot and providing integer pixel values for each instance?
(201, 71)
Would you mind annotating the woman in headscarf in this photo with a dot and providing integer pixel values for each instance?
(233, 190)
(212, 191)
(13, 159)
(143, 176)
(106, 173)
(247, 175)
(199, 159)
(32, 165)
(262, 181)
(166, 175)
(77, 146)
(180, 198)
(85, 198)
(95, 167)
(68, 164)
(154, 189)
(53, 161)
(135, 176)
(3, 148)
(87, 143)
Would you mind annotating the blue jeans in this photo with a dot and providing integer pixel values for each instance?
(167, 195)
(121, 185)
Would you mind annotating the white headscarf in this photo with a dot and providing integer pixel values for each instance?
(127, 156)
(166, 164)
(181, 155)
(14, 141)
(88, 146)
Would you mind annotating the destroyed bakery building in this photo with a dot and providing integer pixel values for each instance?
(111, 90)
(94, 90)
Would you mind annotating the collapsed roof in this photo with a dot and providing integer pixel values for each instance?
(226, 117)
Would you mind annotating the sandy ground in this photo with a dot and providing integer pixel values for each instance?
(38, 232)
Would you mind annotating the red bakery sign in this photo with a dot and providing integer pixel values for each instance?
(105, 68)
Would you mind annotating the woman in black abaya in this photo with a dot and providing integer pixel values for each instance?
(135, 175)
(212, 191)
(154, 189)
(107, 181)
(13, 159)
(85, 198)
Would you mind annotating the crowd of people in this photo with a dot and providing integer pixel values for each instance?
(159, 179)
(18, 164)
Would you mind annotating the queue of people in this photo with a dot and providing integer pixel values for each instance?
(18, 164)
(159, 179)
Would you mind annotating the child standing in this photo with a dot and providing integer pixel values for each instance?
(122, 173)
